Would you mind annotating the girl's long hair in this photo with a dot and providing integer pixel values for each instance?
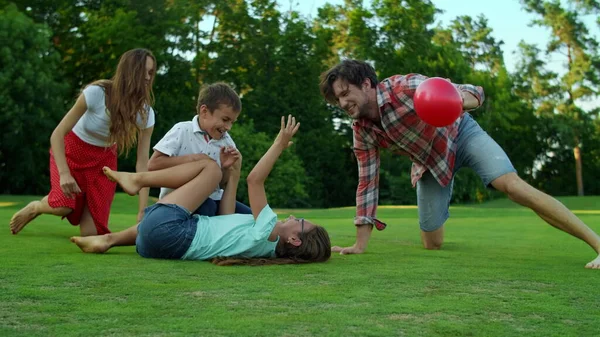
(127, 95)
(315, 247)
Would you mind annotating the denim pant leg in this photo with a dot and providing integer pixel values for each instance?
(433, 202)
(475, 149)
(208, 208)
(211, 208)
(165, 232)
(240, 208)
(480, 152)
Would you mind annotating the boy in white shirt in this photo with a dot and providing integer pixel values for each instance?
(205, 135)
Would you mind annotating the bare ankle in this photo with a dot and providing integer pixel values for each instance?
(137, 177)
(109, 239)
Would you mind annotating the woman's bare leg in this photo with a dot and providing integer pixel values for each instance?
(87, 226)
(32, 211)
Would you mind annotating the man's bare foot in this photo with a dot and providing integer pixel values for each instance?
(124, 179)
(24, 216)
(594, 264)
(92, 244)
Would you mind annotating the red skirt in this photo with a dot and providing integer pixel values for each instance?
(97, 192)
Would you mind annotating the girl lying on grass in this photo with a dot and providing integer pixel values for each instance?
(168, 230)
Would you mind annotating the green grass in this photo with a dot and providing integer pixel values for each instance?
(502, 272)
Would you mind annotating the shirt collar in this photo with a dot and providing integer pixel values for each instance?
(381, 100)
(196, 126)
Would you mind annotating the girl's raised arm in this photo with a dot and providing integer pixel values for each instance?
(260, 172)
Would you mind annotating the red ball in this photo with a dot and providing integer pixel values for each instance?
(438, 102)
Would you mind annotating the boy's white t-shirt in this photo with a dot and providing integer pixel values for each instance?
(187, 138)
(94, 126)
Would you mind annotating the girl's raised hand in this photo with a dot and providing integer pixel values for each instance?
(288, 130)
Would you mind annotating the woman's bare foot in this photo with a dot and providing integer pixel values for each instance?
(124, 179)
(92, 244)
(24, 216)
(594, 264)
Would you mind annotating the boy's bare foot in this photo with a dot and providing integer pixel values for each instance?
(594, 264)
(124, 179)
(92, 244)
(24, 216)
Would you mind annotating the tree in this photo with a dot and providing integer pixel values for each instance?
(477, 43)
(571, 38)
(273, 59)
(503, 115)
(404, 39)
(286, 184)
(349, 30)
(31, 92)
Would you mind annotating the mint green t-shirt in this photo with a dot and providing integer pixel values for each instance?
(233, 235)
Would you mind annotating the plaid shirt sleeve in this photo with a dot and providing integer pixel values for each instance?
(412, 81)
(367, 192)
(476, 91)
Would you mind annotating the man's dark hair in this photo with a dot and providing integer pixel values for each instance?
(350, 71)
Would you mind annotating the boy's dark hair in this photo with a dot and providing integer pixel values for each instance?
(213, 95)
(351, 71)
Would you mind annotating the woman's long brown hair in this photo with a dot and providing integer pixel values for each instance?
(315, 247)
(127, 95)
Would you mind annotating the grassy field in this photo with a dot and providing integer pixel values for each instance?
(502, 272)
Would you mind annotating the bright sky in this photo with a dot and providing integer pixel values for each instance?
(508, 21)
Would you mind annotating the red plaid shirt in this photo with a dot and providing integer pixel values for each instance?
(402, 132)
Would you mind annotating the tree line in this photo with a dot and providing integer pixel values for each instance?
(273, 57)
